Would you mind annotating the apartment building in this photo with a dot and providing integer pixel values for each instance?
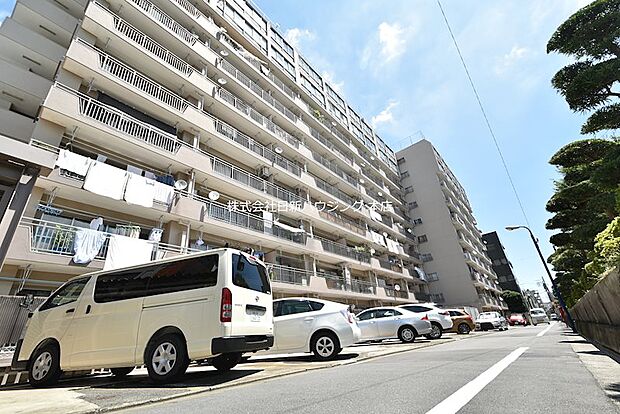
(500, 263)
(458, 269)
(187, 125)
(532, 298)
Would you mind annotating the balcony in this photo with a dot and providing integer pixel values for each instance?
(335, 169)
(158, 15)
(389, 265)
(329, 188)
(346, 223)
(290, 275)
(319, 137)
(343, 250)
(247, 110)
(256, 147)
(362, 286)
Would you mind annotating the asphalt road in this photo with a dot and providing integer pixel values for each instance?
(518, 371)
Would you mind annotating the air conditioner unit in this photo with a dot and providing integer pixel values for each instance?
(265, 172)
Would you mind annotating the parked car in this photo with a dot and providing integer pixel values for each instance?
(554, 317)
(462, 322)
(390, 322)
(491, 320)
(538, 316)
(517, 319)
(312, 325)
(214, 305)
(440, 318)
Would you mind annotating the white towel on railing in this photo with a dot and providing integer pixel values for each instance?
(73, 162)
(163, 193)
(127, 251)
(375, 215)
(106, 180)
(140, 190)
(87, 244)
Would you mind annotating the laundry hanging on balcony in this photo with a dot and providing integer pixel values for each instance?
(73, 162)
(140, 190)
(163, 193)
(127, 251)
(292, 229)
(106, 180)
(86, 245)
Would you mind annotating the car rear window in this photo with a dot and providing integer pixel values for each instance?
(250, 275)
(316, 305)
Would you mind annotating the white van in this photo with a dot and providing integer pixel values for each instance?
(214, 305)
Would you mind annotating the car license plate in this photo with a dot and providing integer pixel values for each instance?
(254, 315)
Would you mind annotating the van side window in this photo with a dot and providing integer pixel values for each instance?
(249, 275)
(195, 273)
(66, 294)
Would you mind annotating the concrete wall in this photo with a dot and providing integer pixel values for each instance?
(597, 314)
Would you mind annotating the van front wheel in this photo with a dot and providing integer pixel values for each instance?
(166, 358)
(44, 367)
(226, 362)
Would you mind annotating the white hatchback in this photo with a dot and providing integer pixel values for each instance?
(440, 318)
(312, 325)
(390, 322)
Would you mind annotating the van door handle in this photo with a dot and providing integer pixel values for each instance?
(70, 310)
(87, 309)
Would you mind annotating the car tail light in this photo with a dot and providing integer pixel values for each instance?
(468, 317)
(226, 307)
(425, 317)
(347, 315)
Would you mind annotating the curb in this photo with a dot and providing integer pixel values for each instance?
(275, 376)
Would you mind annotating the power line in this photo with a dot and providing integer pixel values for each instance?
(484, 114)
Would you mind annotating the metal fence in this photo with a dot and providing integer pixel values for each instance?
(13, 317)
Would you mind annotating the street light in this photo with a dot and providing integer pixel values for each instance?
(544, 262)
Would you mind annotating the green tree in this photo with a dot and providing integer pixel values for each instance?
(515, 301)
(591, 37)
(585, 199)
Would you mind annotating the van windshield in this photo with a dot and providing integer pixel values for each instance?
(250, 275)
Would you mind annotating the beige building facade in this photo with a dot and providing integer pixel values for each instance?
(190, 125)
(457, 267)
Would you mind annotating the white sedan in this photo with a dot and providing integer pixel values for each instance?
(312, 325)
(389, 322)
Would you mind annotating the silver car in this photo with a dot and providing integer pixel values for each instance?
(390, 322)
(538, 315)
(491, 320)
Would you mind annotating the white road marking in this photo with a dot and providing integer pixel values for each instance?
(544, 331)
(456, 401)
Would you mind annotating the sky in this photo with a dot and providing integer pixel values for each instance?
(395, 63)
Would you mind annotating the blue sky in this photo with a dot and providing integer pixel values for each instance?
(396, 64)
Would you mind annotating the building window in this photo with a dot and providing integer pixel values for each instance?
(413, 204)
(283, 43)
(426, 257)
(312, 74)
(417, 221)
(283, 62)
(404, 174)
(432, 277)
(409, 189)
(422, 239)
(437, 297)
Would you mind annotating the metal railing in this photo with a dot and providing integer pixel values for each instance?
(372, 178)
(189, 7)
(241, 176)
(222, 212)
(361, 286)
(386, 264)
(291, 275)
(157, 14)
(325, 186)
(149, 45)
(248, 111)
(120, 121)
(254, 87)
(57, 238)
(256, 147)
(343, 250)
(346, 223)
(137, 80)
(254, 62)
(335, 169)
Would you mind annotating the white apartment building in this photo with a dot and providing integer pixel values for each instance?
(186, 125)
(456, 264)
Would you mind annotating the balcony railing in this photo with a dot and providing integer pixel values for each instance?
(222, 212)
(361, 286)
(120, 121)
(254, 62)
(335, 169)
(137, 80)
(291, 275)
(157, 14)
(256, 147)
(372, 178)
(151, 46)
(57, 238)
(422, 297)
(248, 111)
(344, 250)
(190, 8)
(230, 171)
(325, 186)
(319, 137)
(254, 87)
(346, 223)
(386, 264)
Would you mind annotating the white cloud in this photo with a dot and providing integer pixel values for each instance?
(512, 58)
(329, 78)
(386, 45)
(385, 116)
(296, 35)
